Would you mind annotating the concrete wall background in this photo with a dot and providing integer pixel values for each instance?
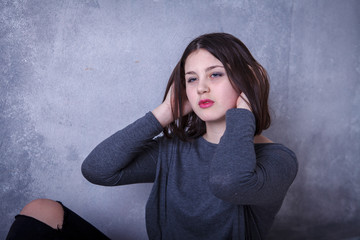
(74, 72)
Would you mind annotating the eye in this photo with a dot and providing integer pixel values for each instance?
(216, 75)
(191, 79)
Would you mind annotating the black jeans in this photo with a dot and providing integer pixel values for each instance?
(74, 227)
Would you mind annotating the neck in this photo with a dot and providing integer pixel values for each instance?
(214, 131)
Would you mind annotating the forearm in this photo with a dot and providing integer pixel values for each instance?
(234, 161)
(106, 163)
(240, 175)
(163, 114)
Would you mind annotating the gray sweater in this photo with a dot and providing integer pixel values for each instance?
(230, 190)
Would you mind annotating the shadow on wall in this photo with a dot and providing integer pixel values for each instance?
(65, 82)
(338, 231)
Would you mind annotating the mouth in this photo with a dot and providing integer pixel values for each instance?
(205, 103)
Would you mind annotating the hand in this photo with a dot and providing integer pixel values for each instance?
(243, 102)
(186, 106)
(163, 113)
(170, 101)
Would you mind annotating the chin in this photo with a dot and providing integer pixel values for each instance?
(210, 115)
(209, 118)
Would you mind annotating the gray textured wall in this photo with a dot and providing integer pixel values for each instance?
(73, 72)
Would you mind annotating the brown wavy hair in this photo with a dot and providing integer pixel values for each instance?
(244, 72)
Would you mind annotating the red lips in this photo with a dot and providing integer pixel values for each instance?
(205, 103)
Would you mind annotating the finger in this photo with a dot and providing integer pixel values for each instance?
(243, 102)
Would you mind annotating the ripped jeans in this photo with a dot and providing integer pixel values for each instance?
(74, 227)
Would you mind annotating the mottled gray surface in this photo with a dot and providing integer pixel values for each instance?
(73, 72)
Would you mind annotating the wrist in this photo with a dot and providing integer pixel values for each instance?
(244, 107)
(163, 114)
(243, 102)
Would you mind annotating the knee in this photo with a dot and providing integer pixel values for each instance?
(46, 211)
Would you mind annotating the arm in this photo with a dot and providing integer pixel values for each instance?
(128, 156)
(239, 176)
(163, 113)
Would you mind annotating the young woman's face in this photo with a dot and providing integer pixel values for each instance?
(208, 87)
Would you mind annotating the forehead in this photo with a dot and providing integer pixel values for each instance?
(199, 59)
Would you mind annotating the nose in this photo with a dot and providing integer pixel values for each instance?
(203, 86)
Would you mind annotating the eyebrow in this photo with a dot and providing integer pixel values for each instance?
(206, 70)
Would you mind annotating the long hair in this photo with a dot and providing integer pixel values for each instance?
(244, 72)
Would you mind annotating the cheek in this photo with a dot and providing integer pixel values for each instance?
(187, 93)
(232, 97)
(190, 95)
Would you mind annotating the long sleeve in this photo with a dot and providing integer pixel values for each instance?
(128, 156)
(241, 175)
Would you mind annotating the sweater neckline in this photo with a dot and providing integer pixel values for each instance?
(204, 141)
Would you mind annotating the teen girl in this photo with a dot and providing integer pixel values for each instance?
(215, 176)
